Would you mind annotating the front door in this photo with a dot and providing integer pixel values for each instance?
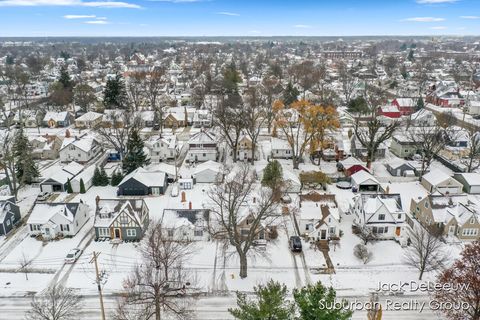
(323, 235)
(397, 231)
(451, 231)
(117, 233)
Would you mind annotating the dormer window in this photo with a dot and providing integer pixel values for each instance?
(472, 220)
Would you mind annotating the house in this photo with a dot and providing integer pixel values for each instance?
(174, 121)
(244, 150)
(54, 119)
(86, 176)
(79, 149)
(350, 166)
(170, 170)
(202, 146)
(57, 182)
(202, 118)
(359, 151)
(363, 181)
(186, 224)
(147, 118)
(400, 168)
(470, 181)
(142, 182)
(449, 216)
(437, 180)
(9, 214)
(162, 148)
(52, 220)
(281, 149)
(319, 216)
(402, 145)
(445, 94)
(113, 118)
(121, 219)
(45, 147)
(292, 181)
(423, 117)
(382, 213)
(89, 120)
(208, 172)
(389, 111)
(406, 106)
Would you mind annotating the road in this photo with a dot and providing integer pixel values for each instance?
(204, 308)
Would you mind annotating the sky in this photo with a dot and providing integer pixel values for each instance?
(40, 18)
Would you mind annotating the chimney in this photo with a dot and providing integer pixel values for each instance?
(190, 205)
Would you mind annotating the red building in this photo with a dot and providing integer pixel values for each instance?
(406, 106)
(389, 111)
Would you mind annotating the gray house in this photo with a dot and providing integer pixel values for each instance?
(9, 214)
(142, 183)
(120, 219)
(360, 151)
(399, 168)
(470, 181)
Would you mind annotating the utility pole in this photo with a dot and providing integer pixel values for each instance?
(98, 281)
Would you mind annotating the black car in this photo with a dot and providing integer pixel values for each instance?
(295, 243)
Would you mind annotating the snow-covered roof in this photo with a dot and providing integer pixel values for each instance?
(84, 143)
(280, 144)
(208, 165)
(436, 177)
(43, 212)
(147, 178)
(471, 178)
(56, 116)
(90, 116)
(363, 176)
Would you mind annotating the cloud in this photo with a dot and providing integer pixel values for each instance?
(424, 19)
(302, 26)
(70, 3)
(177, 1)
(438, 28)
(75, 16)
(96, 22)
(226, 13)
(470, 17)
(435, 1)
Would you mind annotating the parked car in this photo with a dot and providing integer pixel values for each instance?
(295, 243)
(73, 255)
(174, 191)
(43, 196)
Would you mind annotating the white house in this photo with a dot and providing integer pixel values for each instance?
(382, 213)
(319, 216)
(208, 172)
(86, 175)
(89, 120)
(470, 181)
(51, 220)
(202, 118)
(162, 148)
(186, 224)
(281, 149)
(202, 146)
(81, 149)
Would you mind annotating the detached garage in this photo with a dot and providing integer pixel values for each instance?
(440, 181)
(208, 172)
(470, 182)
(142, 183)
(363, 181)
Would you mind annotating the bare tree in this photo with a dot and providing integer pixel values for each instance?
(429, 140)
(116, 127)
(271, 88)
(57, 303)
(472, 161)
(347, 79)
(373, 134)
(255, 116)
(158, 285)
(229, 117)
(25, 263)
(135, 87)
(426, 251)
(243, 212)
(8, 160)
(365, 233)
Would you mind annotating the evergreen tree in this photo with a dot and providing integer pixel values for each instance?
(115, 94)
(117, 177)
(97, 177)
(69, 186)
(104, 178)
(135, 156)
(25, 166)
(290, 94)
(65, 79)
(358, 105)
(410, 56)
(315, 302)
(82, 186)
(272, 174)
(231, 78)
(420, 104)
(270, 303)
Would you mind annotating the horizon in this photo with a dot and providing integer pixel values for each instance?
(225, 18)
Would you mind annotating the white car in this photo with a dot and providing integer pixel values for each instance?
(73, 255)
(174, 192)
(43, 196)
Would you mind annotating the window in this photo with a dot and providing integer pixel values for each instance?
(103, 232)
(426, 204)
(198, 233)
(472, 221)
(245, 232)
(8, 223)
(170, 232)
(381, 217)
(399, 216)
(131, 233)
(123, 220)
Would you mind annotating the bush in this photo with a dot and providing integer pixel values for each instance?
(361, 252)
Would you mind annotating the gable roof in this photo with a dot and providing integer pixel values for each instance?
(43, 212)
(363, 176)
(145, 177)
